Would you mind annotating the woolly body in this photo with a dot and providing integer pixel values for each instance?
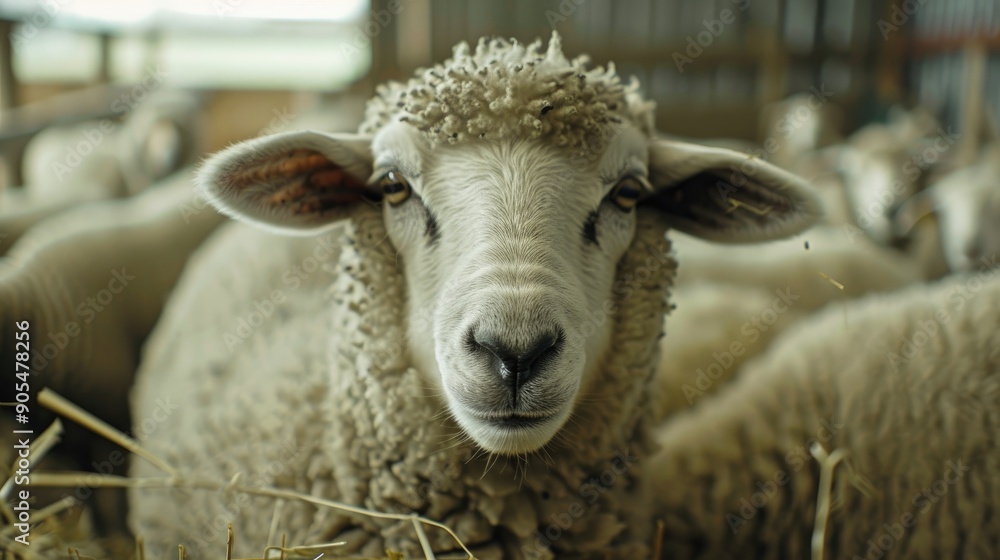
(364, 430)
(909, 389)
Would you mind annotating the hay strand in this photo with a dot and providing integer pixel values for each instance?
(827, 464)
(422, 537)
(56, 403)
(43, 514)
(68, 479)
(43, 443)
(736, 203)
(36, 450)
(661, 529)
(826, 277)
(279, 506)
(859, 481)
(24, 552)
(304, 549)
(52, 509)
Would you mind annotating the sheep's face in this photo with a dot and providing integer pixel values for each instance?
(964, 211)
(508, 249)
(508, 246)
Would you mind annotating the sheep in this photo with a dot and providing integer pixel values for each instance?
(798, 125)
(806, 263)
(478, 346)
(91, 283)
(864, 178)
(733, 300)
(884, 164)
(834, 261)
(965, 207)
(907, 394)
(155, 139)
(856, 256)
(53, 165)
(67, 165)
(715, 329)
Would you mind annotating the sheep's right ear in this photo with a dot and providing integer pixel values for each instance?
(293, 182)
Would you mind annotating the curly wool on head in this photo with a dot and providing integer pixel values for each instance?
(506, 89)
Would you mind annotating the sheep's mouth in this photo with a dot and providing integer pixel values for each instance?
(510, 431)
(516, 420)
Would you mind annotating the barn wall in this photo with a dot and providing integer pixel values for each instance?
(711, 79)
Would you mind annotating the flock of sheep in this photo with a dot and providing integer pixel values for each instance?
(509, 305)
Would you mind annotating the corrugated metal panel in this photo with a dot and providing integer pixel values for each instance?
(768, 49)
(938, 71)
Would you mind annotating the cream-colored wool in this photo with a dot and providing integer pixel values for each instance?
(910, 418)
(732, 301)
(506, 89)
(713, 331)
(338, 414)
(845, 255)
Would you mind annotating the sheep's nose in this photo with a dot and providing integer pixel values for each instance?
(517, 367)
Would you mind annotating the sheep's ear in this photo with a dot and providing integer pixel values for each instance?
(722, 195)
(293, 182)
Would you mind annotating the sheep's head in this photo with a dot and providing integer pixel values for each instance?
(510, 223)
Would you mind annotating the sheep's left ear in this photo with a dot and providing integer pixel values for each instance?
(292, 182)
(726, 196)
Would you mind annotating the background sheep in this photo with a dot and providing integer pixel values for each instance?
(92, 282)
(727, 294)
(499, 240)
(159, 137)
(965, 206)
(733, 300)
(156, 138)
(909, 391)
(804, 123)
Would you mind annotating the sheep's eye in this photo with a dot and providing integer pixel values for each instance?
(626, 193)
(395, 188)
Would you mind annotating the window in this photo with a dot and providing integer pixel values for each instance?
(245, 44)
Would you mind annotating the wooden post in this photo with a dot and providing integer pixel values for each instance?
(385, 63)
(890, 60)
(10, 160)
(973, 117)
(413, 26)
(773, 69)
(104, 66)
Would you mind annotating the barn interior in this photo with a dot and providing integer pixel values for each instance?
(889, 109)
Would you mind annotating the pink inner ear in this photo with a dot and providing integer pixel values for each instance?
(304, 182)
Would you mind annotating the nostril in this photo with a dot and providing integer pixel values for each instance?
(540, 347)
(505, 356)
(518, 367)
